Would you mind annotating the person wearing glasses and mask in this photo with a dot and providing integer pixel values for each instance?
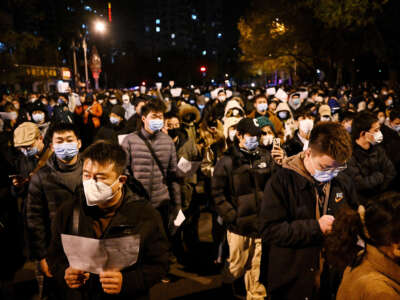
(297, 212)
(369, 167)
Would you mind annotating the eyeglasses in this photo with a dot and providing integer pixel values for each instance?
(339, 169)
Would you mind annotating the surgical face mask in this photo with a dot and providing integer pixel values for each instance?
(38, 117)
(396, 128)
(348, 128)
(325, 118)
(97, 192)
(296, 101)
(222, 98)
(306, 125)
(201, 106)
(113, 101)
(267, 139)
(378, 137)
(101, 101)
(232, 134)
(262, 107)
(31, 152)
(114, 120)
(251, 142)
(283, 115)
(381, 120)
(389, 102)
(325, 176)
(156, 124)
(66, 151)
(192, 102)
(125, 99)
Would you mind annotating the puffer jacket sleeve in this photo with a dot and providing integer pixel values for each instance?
(219, 185)
(276, 225)
(388, 169)
(363, 182)
(126, 146)
(175, 188)
(37, 218)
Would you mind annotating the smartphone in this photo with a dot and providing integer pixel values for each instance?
(276, 143)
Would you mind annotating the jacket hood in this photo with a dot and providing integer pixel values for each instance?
(282, 107)
(228, 123)
(233, 104)
(185, 109)
(296, 163)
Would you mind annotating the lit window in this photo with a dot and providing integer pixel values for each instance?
(172, 35)
(83, 26)
(194, 17)
(158, 29)
(157, 21)
(159, 74)
(204, 52)
(219, 35)
(159, 59)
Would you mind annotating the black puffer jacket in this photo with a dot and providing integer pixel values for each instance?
(294, 145)
(370, 170)
(391, 143)
(51, 186)
(133, 217)
(237, 186)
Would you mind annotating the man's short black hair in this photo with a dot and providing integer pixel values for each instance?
(394, 114)
(155, 105)
(63, 127)
(104, 152)
(362, 122)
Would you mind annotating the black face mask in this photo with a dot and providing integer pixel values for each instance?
(173, 133)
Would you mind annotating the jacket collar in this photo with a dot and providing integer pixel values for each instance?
(383, 264)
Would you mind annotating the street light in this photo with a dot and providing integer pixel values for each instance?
(100, 26)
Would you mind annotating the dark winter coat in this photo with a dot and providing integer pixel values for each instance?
(50, 187)
(291, 232)
(391, 144)
(370, 170)
(237, 187)
(294, 145)
(110, 132)
(146, 170)
(134, 216)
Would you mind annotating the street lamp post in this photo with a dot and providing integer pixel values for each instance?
(84, 46)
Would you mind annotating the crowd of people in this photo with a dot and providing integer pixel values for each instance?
(292, 191)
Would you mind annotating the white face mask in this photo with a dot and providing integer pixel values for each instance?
(232, 135)
(306, 125)
(97, 192)
(267, 139)
(378, 137)
(382, 120)
(113, 101)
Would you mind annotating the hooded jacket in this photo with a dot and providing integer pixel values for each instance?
(237, 187)
(134, 216)
(290, 229)
(50, 187)
(377, 277)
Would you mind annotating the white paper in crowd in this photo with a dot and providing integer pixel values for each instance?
(63, 86)
(176, 92)
(271, 91)
(184, 165)
(179, 218)
(159, 85)
(8, 115)
(228, 93)
(142, 89)
(214, 93)
(197, 91)
(281, 95)
(121, 138)
(73, 101)
(96, 256)
(303, 95)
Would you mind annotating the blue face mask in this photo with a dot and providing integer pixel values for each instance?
(262, 107)
(31, 152)
(296, 101)
(397, 128)
(251, 142)
(66, 151)
(114, 120)
(283, 115)
(201, 106)
(325, 176)
(156, 124)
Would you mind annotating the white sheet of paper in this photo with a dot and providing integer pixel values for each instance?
(121, 138)
(271, 91)
(281, 95)
(159, 85)
(8, 115)
(179, 218)
(176, 92)
(229, 93)
(184, 165)
(143, 90)
(96, 256)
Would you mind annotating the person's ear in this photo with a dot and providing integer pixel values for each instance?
(79, 144)
(396, 250)
(52, 147)
(143, 118)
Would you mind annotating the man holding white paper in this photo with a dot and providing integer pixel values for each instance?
(118, 228)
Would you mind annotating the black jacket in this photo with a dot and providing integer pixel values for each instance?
(110, 132)
(134, 216)
(291, 232)
(50, 187)
(237, 187)
(370, 170)
(391, 144)
(294, 145)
